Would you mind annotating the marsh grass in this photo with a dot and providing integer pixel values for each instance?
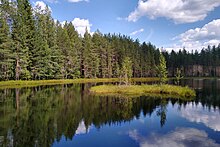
(20, 84)
(139, 90)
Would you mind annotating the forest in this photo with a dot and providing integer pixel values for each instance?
(33, 46)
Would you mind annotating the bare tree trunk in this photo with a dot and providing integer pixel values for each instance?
(17, 69)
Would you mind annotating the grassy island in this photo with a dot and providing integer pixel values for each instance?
(138, 90)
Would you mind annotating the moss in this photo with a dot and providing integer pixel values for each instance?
(138, 90)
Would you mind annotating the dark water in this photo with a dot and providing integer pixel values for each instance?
(66, 115)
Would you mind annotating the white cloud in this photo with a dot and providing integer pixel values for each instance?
(199, 38)
(181, 137)
(76, 1)
(137, 32)
(41, 7)
(198, 114)
(81, 25)
(180, 11)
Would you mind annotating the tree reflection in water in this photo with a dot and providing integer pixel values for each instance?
(39, 116)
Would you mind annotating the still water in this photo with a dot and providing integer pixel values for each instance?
(67, 115)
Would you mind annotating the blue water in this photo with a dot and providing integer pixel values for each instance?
(67, 115)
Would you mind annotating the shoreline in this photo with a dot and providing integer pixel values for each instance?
(33, 83)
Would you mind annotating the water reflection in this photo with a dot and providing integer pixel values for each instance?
(199, 114)
(181, 137)
(40, 116)
(82, 128)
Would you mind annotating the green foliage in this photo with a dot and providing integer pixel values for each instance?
(6, 52)
(178, 76)
(33, 46)
(23, 36)
(126, 70)
(162, 69)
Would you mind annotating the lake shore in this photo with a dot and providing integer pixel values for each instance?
(32, 83)
(138, 90)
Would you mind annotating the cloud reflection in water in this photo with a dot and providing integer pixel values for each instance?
(199, 114)
(181, 137)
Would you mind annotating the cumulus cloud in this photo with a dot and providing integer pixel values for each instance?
(76, 1)
(209, 31)
(137, 32)
(199, 38)
(41, 7)
(180, 11)
(198, 114)
(181, 137)
(81, 25)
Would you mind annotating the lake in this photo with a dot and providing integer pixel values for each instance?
(67, 115)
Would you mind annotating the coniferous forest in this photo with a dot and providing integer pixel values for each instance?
(33, 46)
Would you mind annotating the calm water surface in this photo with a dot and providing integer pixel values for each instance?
(66, 115)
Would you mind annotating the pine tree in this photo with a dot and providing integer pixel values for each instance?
(162, 69)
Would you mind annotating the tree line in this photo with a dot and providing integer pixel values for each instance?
(35, 46)
(208, 59)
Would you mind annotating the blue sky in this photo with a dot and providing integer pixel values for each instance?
(172, 24)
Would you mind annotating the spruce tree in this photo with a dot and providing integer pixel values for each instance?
(41, 51)
(162, 69)
(56, 59)
(23, 35)
(63, 42)
(75, 45)
(6, 53)
(87, 55)
(126, 70)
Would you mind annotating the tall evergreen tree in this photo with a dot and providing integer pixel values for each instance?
(89, 55)
(75, 45)
(6, 53)
(23, 35)
(41, 52)
(126, 70)
(162, 69)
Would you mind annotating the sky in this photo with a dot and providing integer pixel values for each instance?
(171, 24)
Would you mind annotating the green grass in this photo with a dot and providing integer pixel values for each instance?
(138, 90)
(20, 84)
